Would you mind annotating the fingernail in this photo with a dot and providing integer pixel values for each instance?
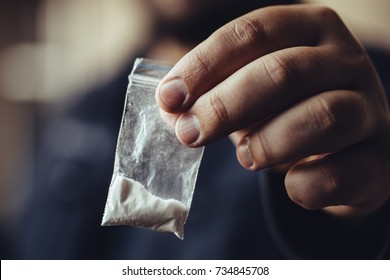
(188, 129)
(245, 154)
(173, 93)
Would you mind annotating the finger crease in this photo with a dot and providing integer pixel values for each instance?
(202, 63)
(219, 109)
(246, 32)
(265, 149)
(325, 120)
(277, 71)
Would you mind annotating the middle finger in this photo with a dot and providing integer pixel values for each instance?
(262, 88)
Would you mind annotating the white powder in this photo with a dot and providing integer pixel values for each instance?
(130, 203)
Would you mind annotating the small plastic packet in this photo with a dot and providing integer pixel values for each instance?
(154, 174)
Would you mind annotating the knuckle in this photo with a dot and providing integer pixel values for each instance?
(345, 115)
(358, 110)
(326, 14)
(323, 114)
(246, 32)
(200, 62)
(218, 108)
(278, 70)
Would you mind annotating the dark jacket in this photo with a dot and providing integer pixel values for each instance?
(236, 214)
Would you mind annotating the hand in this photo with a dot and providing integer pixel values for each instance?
(291, 85)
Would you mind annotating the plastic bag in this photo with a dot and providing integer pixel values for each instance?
(154, 174)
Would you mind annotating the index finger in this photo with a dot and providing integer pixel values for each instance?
(237, 44)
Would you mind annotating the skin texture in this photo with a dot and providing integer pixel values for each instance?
(289, 84)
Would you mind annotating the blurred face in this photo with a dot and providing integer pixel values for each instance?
(194, 20)
(176, 11)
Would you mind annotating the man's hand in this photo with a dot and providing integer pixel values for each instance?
(291, 85)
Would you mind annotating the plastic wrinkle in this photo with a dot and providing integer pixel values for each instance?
(154, 174)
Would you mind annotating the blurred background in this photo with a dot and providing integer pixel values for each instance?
(53, 51)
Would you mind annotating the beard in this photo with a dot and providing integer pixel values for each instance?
(193, 21)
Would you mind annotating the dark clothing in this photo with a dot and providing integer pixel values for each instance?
(236, 214)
